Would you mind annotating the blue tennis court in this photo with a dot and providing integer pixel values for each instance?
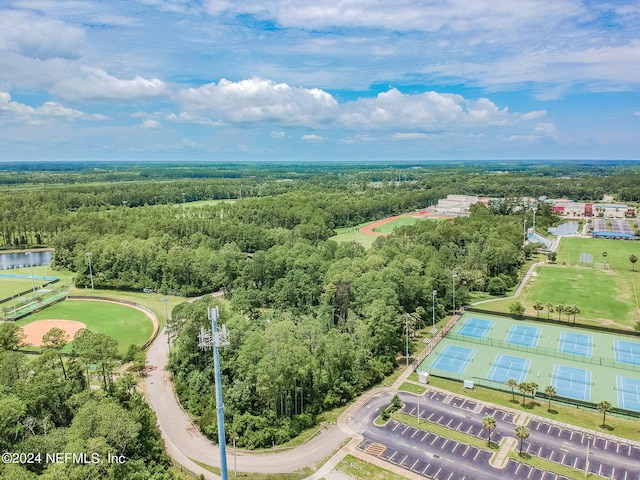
(571, 382)
(524, 335)
(576, 344)
(627, 352)
(454, 359)
(505, 367)
(628, 393)
(475, 327)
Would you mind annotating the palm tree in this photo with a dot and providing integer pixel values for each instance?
(575, 311)
(512, 384)
(489, 423)
(533, 388)
(559, 309)
(568, 310)
(522, 433)
(633, 259)
(550, 392)
(549, 306)
(604, 407)
(524, 388)
(538, 306)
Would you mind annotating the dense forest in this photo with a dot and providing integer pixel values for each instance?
(46, 406)
(313, 322)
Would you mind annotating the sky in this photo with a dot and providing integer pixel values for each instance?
(287, 80)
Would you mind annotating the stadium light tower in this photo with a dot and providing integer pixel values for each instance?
(90, 270)
(433, 306)
(406, 345)
(453, 280)
(33, 281)
(166, 318)
(214, 339)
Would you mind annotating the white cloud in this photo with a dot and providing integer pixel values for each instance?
(534, 114)
(275, 134)
(21, 112)
(256, 99)
(409, 136)
(185, 117)
(151, 124)
(313, 138)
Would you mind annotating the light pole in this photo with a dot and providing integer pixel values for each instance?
(406, 344)
(90, 270)
(453, 280)
(214, 339)
(33, 281)
(166, 318)
(586, 465)
(433, 307)
(235, 460)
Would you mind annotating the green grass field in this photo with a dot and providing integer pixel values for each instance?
(127, 325)
(389, 227)
(353, 234)
(13, 286)
(608, 297)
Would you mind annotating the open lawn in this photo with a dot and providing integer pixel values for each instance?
(353, 234)
(389, 227)
(608, 297)
(126, 324)
(13, 286)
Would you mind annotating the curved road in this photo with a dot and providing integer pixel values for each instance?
(185, 443)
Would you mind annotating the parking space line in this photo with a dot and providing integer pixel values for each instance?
(414, 434)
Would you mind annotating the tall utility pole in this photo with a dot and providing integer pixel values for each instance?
(406, 327)
(166, 318)
(433, 307)
(214, 339)
(33, 281)
(453, 281)
(90, 270)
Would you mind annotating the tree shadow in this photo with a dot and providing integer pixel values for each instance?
(524, 455)
(608, 428)
(552, 411)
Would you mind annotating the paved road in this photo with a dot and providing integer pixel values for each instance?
(185, 443)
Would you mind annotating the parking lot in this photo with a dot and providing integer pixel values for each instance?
(435, 456)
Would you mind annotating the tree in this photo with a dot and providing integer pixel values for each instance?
(532, 389)
(575, 310)
(496, 286)
(524, 388)
(552, 256)
(559, 309)
(522, 433)
(604, 407)
(568, 310)
(11, 336)
(489, 423)
(538, 306)
(633, 259)
(550, 392)
(549, 306)
(516, 309)
(55, 340)
(512, 384)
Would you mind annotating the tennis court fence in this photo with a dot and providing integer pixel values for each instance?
(548, 352)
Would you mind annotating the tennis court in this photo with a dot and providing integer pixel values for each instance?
(576, 343)
(454, 359)
(476, 328)
(627, 352)
(505, 367)
(523, 335)
(572, 382)
(580, 364)
(628, 392)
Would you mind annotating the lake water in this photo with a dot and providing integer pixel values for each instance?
(21, 260)
(567, 228)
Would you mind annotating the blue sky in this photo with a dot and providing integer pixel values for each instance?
(322, 80)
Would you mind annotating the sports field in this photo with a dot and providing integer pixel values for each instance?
(580, 364)
(13, 286)
(126, 324)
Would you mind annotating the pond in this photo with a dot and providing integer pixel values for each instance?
(11, 260)
(566, 228)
